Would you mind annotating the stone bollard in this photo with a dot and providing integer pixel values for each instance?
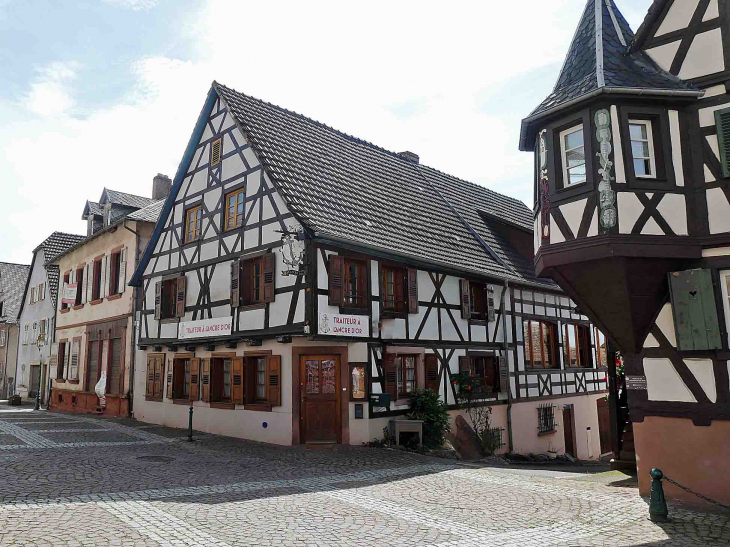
(657, 503)
(190, 424)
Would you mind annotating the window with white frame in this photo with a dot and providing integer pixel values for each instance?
(642, 148)
(574, 156)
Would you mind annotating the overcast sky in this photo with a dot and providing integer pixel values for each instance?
(102, 93)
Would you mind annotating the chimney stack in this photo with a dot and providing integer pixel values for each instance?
(161, 186)
(409, 156)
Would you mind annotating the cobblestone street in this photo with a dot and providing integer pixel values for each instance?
(72, 480)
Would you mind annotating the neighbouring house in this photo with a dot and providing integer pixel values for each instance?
(632, 220)
(301, 283)
(36, 317)
(94, 334)
(12, 284)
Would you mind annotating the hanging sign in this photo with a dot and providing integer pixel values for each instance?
(337, 324)
(69, 294)
(205, 328)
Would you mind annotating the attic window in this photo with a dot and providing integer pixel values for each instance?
(215, 152)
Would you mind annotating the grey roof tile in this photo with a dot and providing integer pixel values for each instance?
(52, 272)
(148, 214)
(57, 243)
(12, 284)
(345, 188)
(122, 198)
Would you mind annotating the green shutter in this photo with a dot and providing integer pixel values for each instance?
(695, 312)
(722, 122)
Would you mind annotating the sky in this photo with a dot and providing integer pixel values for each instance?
(105, 93)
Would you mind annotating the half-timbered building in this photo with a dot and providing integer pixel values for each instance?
(92, 356)
(301, 283)
(632, 218)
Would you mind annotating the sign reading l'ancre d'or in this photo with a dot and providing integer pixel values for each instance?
(336, 324)
(219, 326)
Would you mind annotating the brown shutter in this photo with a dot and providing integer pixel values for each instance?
(158, 300)
(151, 376)
(464, 366)
(205, 381)
(273, 380)
(235, 283)
(503, 374)
(413, 291)
(193, 389)
(170, 381)
(269, 276)
(337, 271)
(432, 372)
(465, 296)
(391, 382)
(181, 286)
(237, 381)
(159, 371)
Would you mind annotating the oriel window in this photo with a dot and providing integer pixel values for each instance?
(642, 148)
(573, 154)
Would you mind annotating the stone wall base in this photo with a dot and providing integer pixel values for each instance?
(85, 402)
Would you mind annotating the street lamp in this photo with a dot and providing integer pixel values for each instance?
(40, 343)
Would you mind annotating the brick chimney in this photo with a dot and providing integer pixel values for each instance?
(410, 156)
(161, 186)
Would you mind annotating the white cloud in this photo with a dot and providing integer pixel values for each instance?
(50, 94)
(134, 5)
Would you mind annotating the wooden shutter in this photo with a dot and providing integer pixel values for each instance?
(722, 122)
(464, 366)
(273, 380)
(490, 303)
(432, 372)
(412, 276)
(391, 380)
(503, 374)
(122, 280)
(205, 381)
(170, 381)
(89, 282)
(194, 387)
(158, 300)
(151, 376)
(336, 279)
(237, 380)
(103, 289)
(67, 359)
(181, 285)
(465, 299)
(695, 313)
(269, 276)
(235, 283)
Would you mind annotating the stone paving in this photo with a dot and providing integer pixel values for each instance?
(69, 480)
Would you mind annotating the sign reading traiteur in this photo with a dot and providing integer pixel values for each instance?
(219, 326)
(336, 324)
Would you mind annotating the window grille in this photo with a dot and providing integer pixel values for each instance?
(546, 418)
(494, 438)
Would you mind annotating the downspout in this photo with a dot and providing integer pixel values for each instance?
(133, 356)
(505, 347)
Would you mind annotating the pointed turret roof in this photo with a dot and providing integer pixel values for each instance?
(598, 61)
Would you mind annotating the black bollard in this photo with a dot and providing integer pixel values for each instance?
(38, 399)
(657, 503)
(190, 425)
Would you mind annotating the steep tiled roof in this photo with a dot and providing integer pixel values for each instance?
(148, 214)
(122, 198)
(598, 58)
(346, 189)
(92, 208)
(57, 243)
(12, 284)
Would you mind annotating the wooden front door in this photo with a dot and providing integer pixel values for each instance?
(320, 399)
(604, 425)
(568, 429)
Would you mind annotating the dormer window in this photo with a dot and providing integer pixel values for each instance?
(573, 155)
(642, 148)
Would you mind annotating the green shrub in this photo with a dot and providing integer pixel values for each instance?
(426, 406)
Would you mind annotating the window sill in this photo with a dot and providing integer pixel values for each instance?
(78, 306)
(225, 406)
(479, 322)
(114, 296)
(543, 369)
(151, 398)
(260, 407)
(95, 302)
(72, 381)
(182, 402)
(353, 311)
(65, 310)
(257, 306)
(542, 433)
(169, 320)
(390, 314)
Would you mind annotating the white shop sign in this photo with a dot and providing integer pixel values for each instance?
(205, 328)
(336, 324)
(69, 294)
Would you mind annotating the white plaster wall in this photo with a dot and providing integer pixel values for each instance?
(718, 211)
(705, 55)
(678, 16)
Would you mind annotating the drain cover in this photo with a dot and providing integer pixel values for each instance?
(159, 459)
